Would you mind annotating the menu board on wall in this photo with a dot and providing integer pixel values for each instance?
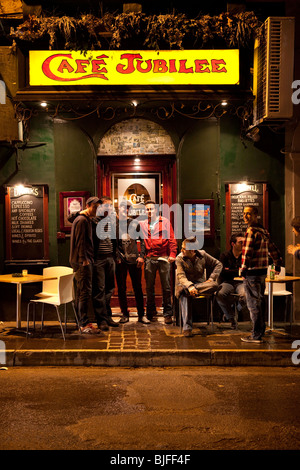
(239, 195)
(27, 235)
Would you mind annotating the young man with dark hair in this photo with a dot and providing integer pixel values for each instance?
(231, 261)
(161, 250)
(193, 265)
(104, 266)
(129, 260)
(257, 248)
(82, 257)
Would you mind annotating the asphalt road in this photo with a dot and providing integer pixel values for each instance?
(158, 409)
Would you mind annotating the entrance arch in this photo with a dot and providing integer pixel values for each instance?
(137, 153)
(137, 147)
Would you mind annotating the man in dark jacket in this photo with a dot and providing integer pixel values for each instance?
(231, 261)
(82, 261)
(129, 260)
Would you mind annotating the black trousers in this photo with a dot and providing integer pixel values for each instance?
(83, 280)
(103, 287)
(135, 273)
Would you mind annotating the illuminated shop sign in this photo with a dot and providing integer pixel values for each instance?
(189, 67)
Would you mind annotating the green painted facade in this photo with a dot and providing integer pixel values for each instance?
(62, 154)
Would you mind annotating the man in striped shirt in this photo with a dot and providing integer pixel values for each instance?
(257, 248)
(104, 267)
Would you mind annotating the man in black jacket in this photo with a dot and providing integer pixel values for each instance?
(82, 261)
(231, 261)
(129, 260)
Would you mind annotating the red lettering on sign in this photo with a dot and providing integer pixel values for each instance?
(199, 64)
(215, 65)
(130, 67)
(183, 69)
(66, 66)
(160, 66)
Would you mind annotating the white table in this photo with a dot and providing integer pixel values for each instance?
(19, 281)
(277, 280)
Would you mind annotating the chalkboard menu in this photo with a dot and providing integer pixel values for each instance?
(239, 195)
(27, 236)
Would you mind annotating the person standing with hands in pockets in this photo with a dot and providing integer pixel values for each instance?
(255, 260)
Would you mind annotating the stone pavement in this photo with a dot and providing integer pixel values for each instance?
(136, 345)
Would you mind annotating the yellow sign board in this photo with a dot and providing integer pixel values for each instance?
(187, 67)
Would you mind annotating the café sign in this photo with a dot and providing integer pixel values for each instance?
(187, 67)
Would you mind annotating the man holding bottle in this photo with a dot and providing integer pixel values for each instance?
(257, 248)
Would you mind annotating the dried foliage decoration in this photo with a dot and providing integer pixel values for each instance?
(138, 31)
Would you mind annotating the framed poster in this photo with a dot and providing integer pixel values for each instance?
(201, 217)
(138, 188)
(238, 196)
(70, 202)
(27, 225)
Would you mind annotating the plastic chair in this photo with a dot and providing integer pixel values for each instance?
(279, 290)
(210, 305)
(51, 287)
(64, 296)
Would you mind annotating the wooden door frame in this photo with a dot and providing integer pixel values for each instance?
(159, 163)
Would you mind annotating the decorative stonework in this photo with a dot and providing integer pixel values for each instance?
(136, 137)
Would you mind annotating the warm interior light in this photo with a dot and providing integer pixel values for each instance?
(137, 160)
(43, 104)
(224, 103)
(134, 103)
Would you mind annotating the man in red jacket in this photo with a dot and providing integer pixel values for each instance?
(161, 251)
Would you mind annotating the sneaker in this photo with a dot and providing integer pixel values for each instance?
(89, 329)
(124, 319)
(168, 320)
(103, 326)
(144, 320)
(188, 333)
(250, 339)
(110, 322)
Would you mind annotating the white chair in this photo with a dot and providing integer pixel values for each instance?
(64, 295)
(279, 290)
(50, 287)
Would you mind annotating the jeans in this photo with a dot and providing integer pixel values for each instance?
(83, 281)
(135, 274)
(185, 302)
(225, 300)
(103, 287)
(254, 293)
(163, 267)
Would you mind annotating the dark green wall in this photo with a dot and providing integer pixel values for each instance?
(209, 154)
(261, 162)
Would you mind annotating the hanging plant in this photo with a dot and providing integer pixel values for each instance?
(136, 30)
(168, 30)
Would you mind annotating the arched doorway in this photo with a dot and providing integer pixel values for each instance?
(137, 161)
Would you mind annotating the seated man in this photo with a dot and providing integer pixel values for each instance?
(231, 261)
(190, 278)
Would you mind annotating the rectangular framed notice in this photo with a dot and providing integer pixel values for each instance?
(201, 217)
(71, 202)
(27, 225)
(240, 194)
